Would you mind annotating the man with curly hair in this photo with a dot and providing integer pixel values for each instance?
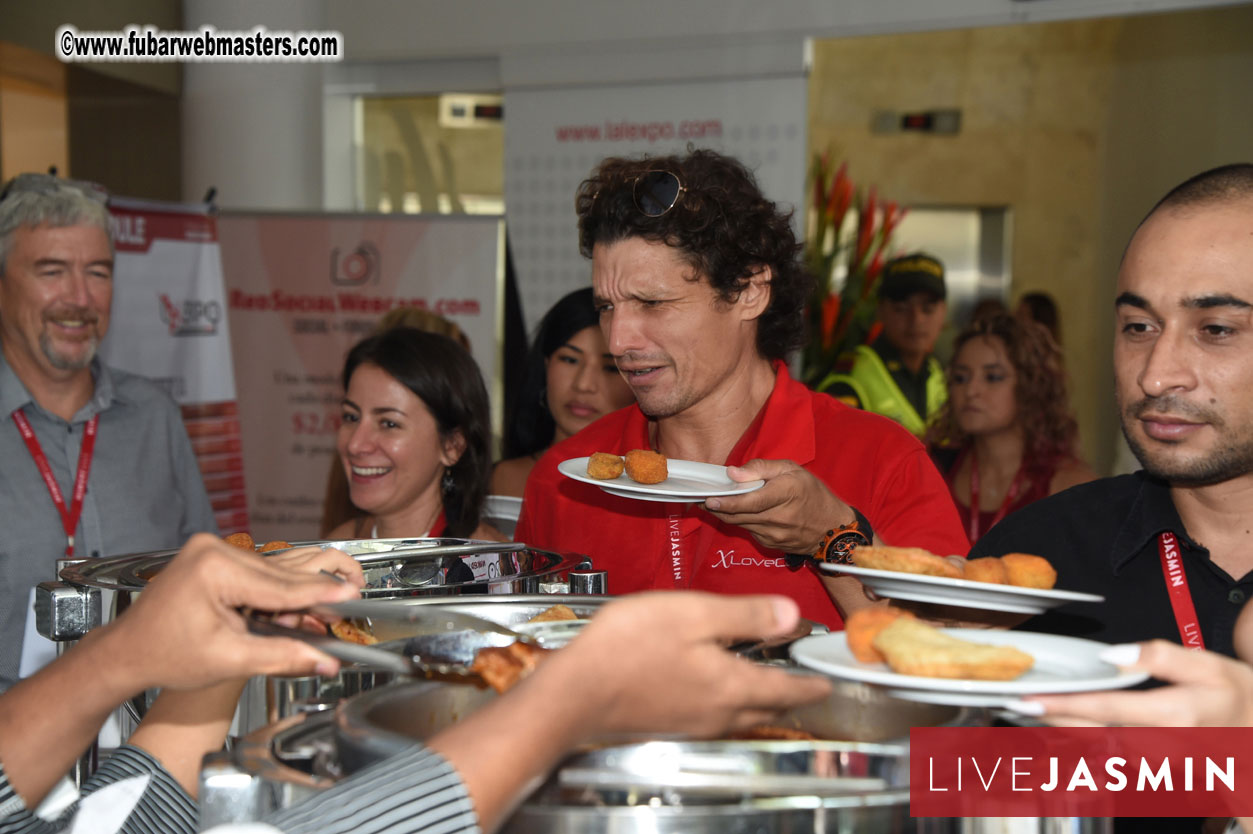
(700, 293)
(1169, 547)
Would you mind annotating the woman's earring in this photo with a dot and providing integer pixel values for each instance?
(447, 483)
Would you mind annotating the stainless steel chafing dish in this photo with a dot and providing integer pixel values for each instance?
(91, 592)
(67, 609)
(658, 786)
(650, 787)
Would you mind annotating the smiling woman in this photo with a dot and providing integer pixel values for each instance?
(414, 438)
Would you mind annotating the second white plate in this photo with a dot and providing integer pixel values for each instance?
(961, 592)
(689, 482)
(1062, 664)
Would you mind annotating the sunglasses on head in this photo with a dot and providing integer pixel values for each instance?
(656, 192)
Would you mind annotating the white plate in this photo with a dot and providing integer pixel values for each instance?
(961, 592)
(1062, 664)
(690, 482)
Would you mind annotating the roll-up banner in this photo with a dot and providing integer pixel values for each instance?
(169, 324)
(302, 290)
(556, 135)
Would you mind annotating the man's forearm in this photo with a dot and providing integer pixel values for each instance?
(185, 725)
(50, 718)
(846, 592)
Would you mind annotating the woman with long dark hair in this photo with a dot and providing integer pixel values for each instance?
(1006, 436)
(571, 382)
(414, 441)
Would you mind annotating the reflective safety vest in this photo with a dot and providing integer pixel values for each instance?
(878, 392)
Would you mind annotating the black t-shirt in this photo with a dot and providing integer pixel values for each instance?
(1102, 537)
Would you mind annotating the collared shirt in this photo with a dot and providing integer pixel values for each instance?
(144, 491)
(868, 461)
(1102, 537)
(913, 385)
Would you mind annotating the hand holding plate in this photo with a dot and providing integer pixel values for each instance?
(791, 512)
(1208, 690)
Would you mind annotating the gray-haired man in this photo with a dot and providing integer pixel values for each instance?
(95, 461)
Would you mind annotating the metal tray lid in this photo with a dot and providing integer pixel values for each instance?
(419, 566)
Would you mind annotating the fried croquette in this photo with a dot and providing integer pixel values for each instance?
(557, 613)
(905, 559)
(501, 667)
(277, 544)
(241, 540)
(990, 569)
(915, 648)
(646, 467)
(603, 466)
(864, 625)
(1028, 571)
(353, 633)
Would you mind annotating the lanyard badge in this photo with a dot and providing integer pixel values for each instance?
(71, 514)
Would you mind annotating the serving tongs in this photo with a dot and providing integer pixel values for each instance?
(443, 647)
(439, 550)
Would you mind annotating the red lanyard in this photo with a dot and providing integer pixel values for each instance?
(69, 518)
(1177, 587)
(1011, 495)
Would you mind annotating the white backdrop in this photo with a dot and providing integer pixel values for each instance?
(302, 290)
(555, 136)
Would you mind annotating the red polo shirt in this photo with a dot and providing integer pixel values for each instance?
(869, 461)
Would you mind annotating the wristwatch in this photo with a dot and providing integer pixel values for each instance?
(839, 543)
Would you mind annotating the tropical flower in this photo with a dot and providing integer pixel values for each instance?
(847, 244)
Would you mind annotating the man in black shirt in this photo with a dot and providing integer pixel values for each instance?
(1171, 547)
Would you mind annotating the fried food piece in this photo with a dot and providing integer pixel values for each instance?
(603, 466)
(1028, 571)
(990, 569)
(915, 648)
(277, 544)
(906, 560)
(502, 667)
(555, 614)
(646, 467)
(354, 632)
(864, 625)
(241, 540)
(768, 732)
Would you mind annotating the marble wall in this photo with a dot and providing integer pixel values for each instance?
(1077, 126)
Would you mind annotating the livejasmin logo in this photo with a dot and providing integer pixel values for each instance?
(1018, 770)
(1081, 772)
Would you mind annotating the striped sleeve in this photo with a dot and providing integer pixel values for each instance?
(414, 791)
(14, 816)
(165, 806)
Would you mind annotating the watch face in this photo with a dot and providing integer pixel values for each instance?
(841, 548)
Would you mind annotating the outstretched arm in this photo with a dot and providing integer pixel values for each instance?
(185, 631)
(652, 663)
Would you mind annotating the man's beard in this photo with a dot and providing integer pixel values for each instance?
(62, 362)
(1230, 458)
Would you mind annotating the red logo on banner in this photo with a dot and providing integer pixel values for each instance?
(1088, 772)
